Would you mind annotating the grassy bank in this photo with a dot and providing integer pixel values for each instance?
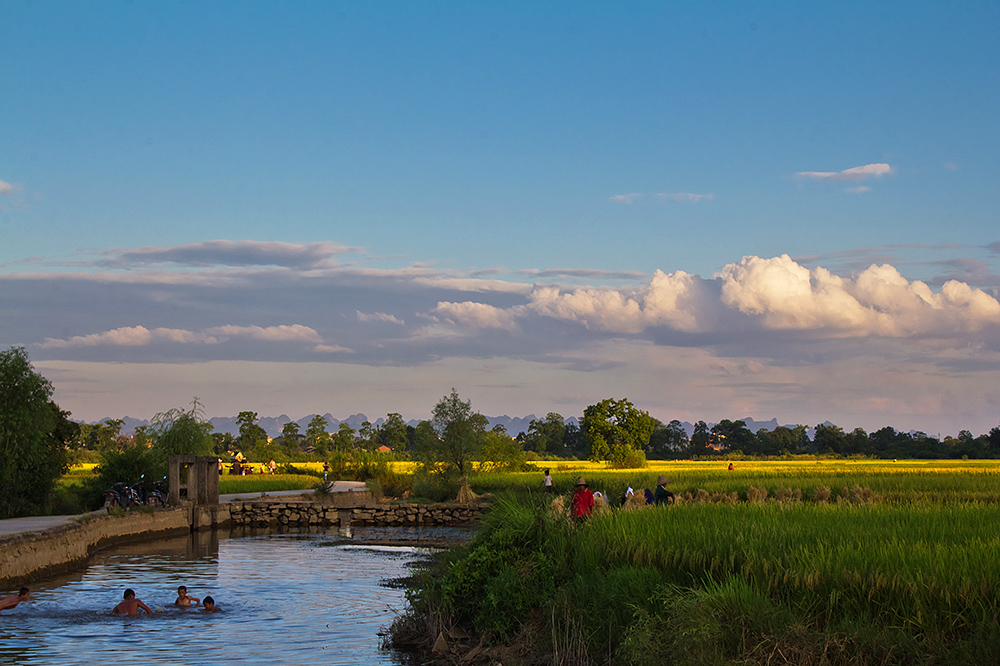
(906, 580)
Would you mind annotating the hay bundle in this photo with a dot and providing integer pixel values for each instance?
(558, 508)
(465, 494)
(600, 505)
(634, 501)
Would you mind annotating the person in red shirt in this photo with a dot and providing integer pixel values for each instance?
(583, 500)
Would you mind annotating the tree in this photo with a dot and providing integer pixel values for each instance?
(546, 434)
(32, 457)
(345, 437)
(250, 432)
(698, 445)
(668, 439)
(290, 435)
(366, 436)
(424, 438)
(615, 429)
(460, 434)
(734, 436)
(179, 432)
(502, 453)
(393, 432)
(830, 438)
(317, 435)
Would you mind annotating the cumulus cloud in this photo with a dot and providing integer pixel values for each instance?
(235, 253)
(879, 301)
(8, 188)
(479, 315)
(854, 173)
(760, 295)
(684, 197)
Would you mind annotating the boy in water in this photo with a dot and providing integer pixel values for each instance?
(14, 599)
(131, 605)
(185, 599)
(209, 606)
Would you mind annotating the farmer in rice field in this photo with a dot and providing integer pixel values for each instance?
(662, 495)
(583, 500)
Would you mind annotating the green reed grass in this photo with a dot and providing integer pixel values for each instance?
(926, 567)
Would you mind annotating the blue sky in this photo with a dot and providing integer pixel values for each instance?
(716, 210)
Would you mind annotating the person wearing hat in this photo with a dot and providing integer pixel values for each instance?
(662, 495)
(583, 500)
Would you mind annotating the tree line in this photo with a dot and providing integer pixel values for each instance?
(38, 440)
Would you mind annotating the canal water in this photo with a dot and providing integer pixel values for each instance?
(289, 598)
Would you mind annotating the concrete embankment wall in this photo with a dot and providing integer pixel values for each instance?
(30, 555)
(302, 514)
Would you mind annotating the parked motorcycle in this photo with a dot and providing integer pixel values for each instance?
(118, 495)
(157, 495)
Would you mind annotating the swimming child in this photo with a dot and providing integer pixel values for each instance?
(15, 599)
(131, 605)
(209, 606)
(185, 599)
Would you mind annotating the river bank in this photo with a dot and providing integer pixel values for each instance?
(746, 583)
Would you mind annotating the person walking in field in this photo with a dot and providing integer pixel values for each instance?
(548, 481)
(582, 504)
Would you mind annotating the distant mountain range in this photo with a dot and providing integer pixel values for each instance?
(514, 425)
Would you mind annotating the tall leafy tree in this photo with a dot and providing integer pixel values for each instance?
(615, 429)
(317, 435)
(393, 432)
(290, 435)
(546, 434)
(460, 434)
(250, 431)
(32, 456)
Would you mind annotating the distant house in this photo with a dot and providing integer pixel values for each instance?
(384, 449)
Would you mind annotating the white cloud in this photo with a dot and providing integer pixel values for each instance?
(284, 333)
(8, 188)
(379, 316)
(858, 190)
(479, 315)
(139, 336)
(684, 197)
(329, 349)
(879, 301)
(668, 300)
(854, 173)
(625, 198)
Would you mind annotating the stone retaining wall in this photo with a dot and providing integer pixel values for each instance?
(30, 555)
(262, 514)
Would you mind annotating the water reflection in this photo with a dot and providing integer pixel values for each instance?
(303, 597)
